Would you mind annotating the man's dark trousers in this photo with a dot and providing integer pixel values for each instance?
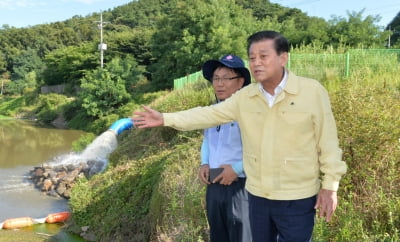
(281, 220)
(228, 212)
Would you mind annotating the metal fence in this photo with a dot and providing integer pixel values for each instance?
(181, 82)
(328, 66)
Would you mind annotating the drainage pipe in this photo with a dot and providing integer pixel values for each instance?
(120, 125)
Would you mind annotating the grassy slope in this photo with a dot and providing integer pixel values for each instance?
(151, 192)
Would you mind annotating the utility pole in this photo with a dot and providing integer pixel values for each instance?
(102, 46)
(3, 77)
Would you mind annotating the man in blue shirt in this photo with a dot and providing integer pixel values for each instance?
(221, 158)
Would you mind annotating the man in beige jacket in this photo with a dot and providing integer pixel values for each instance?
(291, 154)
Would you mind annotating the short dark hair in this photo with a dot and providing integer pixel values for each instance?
(281, 43)
(235, 70)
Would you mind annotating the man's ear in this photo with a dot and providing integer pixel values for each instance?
(241, 80)
(284, 57)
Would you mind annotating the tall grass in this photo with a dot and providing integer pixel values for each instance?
(328, 64)
(355, 64)
(151, 192)
(369, 131)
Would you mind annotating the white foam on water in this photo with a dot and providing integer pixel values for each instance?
(97, 151)
(12, 186)
(15, 185)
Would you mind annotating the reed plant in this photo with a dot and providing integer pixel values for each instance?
(367, 114)
(151, 192)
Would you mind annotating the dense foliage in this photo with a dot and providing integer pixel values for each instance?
(150, 190)
(152, 185)
(169, 39)
(394, 31)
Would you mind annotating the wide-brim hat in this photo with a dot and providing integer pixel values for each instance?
(230, 61)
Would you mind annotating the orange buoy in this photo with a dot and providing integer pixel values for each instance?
(57, 217)
(14, 223)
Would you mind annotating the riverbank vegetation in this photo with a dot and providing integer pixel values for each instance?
(150, 191)
(161, 165)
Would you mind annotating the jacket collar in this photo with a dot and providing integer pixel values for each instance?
(292, 85)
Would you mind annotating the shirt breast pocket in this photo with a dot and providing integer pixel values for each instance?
(295, 118)
(234, 134)
(253, 116)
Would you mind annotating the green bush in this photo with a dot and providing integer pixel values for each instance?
(102, 123)
(12, 106)
(80, 121)
(369, 130)
(150, 191)
(83, 142)
(15, 87)
(49, 106)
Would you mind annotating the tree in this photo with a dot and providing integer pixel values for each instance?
(356, 31)
(128, 70)
(3, 63)
(194, 32)
(105, 90)
(28, 61)
(133, 42)
(263, 8)
(143, 13)
(69, 64)
(394, 29)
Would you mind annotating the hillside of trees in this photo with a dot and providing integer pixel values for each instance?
(152, 42)
(171, 38)
(145, 194)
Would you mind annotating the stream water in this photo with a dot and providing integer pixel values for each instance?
(24, 145)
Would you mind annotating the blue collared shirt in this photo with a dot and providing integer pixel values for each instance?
(223, 146)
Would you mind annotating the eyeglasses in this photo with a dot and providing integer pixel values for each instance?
(224, 79)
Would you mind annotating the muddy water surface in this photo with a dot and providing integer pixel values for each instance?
(24, 145)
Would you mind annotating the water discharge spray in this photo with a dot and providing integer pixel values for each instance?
(96, 154)
(93, 159)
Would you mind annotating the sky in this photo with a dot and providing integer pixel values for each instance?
(386, 9)
(24, 13)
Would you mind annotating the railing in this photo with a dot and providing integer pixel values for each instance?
(329, 66)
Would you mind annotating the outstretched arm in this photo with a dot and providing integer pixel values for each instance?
(147, 118)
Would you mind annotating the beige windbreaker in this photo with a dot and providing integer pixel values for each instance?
(288, 149)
